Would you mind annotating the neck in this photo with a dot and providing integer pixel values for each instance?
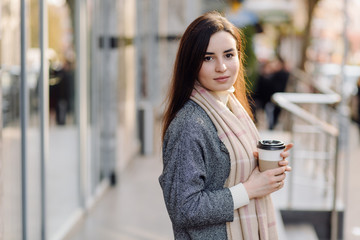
(223, 96)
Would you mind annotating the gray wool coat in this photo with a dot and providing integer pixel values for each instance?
(196, 166)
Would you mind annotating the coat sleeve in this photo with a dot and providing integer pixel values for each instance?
(189, 202)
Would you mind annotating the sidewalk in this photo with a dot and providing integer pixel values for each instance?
(135, 210)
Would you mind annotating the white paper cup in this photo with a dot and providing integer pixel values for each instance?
(269, 154)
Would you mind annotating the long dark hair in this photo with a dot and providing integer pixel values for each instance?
(189, 59)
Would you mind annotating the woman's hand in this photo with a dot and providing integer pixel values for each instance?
(285, 154)
(261, 184)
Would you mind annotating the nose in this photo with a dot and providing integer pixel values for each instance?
(220, 66)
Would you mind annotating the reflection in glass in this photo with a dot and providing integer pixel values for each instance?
(63, 168)
(10, 146)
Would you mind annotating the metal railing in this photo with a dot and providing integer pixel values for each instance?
(299, 107)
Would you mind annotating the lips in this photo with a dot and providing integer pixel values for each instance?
(222, 78)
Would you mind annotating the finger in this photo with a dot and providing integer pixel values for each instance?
(277, 171)
(256, 155)
(288, 147)
(280, 177)
(284, 154)
(279, 184)
(283, 162)
(256, 169)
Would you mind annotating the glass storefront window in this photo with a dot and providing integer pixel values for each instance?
(78, 149)
(62, 171)
(11, 140)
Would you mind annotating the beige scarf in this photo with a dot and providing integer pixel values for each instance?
(239, 134)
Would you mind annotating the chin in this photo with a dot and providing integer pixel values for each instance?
(224, 87)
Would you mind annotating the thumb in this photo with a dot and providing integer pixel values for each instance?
(256, 170)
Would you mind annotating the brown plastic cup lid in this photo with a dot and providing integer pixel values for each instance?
(271, 145)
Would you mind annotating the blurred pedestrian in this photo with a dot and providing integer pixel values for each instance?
(279, 80)
(263, 90)
(61, 91)
(273, 78)
(211, 183)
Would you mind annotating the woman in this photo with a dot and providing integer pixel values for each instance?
(211, 183)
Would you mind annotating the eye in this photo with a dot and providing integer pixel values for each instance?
(208, 58)
(229, 55)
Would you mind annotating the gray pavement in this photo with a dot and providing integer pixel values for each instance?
(134, 209)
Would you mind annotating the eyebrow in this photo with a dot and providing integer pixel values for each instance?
(226, 51)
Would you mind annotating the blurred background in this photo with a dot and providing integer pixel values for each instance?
(82, 90)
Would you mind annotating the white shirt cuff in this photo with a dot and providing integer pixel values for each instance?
(240, 196)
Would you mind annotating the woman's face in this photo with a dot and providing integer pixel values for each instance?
(220, 66)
